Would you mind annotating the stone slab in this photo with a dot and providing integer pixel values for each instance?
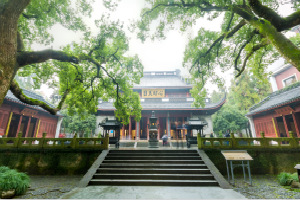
(151, 192)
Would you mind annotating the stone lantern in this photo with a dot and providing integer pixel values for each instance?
(298, 171)
(153, 126)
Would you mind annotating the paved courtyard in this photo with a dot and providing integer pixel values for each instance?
(55, 187)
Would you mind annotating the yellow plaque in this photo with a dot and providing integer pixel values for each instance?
(153, 93)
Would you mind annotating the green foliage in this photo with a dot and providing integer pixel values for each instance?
(230, 118)
(4, 169)
(286, 179)
(82, 125)
(244, 41)
(104, 70)
(11, 179)
(248, 90)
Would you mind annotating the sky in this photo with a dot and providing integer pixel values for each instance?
(155, 55)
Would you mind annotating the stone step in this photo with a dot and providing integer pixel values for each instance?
(155, 165)
(155, 176)
(152, 171)
(154, 154)
(146, 182)
(152, 158)
(151, 151)
(156, 161)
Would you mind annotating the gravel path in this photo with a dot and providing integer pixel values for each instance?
(49, 187)
(263, 187)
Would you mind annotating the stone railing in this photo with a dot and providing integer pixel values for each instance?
(249, 143)
(54, 143)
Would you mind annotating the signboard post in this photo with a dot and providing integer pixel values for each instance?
(239, 156)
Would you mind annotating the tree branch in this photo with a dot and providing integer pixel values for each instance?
(189, 5)
(254, 49)
(276, 20)
(27, 58)
(17, 91)
(240, 51)
(63, 99)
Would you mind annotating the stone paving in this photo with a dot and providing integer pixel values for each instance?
(50, 187)
(53, 187)
(264, 187)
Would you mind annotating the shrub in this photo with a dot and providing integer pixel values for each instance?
(4, 169)
(286, 179)
(10, 179)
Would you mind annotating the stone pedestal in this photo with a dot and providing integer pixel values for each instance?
(153, 142)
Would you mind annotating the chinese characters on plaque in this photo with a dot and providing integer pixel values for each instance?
(153, 93)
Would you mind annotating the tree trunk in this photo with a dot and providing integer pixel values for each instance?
(10, 11)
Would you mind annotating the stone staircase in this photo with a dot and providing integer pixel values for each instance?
(153, 168)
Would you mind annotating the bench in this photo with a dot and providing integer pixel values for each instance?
(190, 140)
(114, 140)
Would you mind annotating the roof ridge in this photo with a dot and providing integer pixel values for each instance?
(286, 89)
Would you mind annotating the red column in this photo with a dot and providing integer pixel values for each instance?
(147, 128)
(28, 124)
(158, 130)
(285, 125)
(296, 125)
(123, 131)
(19, 125)
(129, 128)
(276, 127)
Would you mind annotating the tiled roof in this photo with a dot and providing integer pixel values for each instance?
(166, 105)
(277, 99)
(11, 97)
(162, 82)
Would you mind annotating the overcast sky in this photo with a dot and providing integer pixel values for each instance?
(155, 55)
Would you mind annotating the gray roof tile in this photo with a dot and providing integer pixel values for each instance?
(165, 105)
(277, 99)
(30, 94)
(161, 82)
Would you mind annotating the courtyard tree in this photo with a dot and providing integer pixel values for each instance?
(94, 68)
(252, 31)
(247, 90)
(229, 117)
(75, 124)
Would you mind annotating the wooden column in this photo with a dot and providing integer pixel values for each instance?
(28, 125)
(275, 126)
(285, 125)
(167, 126)
(137, 130)
(296, 125)
(158, 130)
(37, 127)
(19, 124)
(129, 129)
(147, 128)
(123, 131)
(8, 124)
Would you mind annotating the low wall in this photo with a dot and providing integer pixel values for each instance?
(265, 161)
(49, 162)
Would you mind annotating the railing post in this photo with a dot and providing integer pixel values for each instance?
(293, 143)
(74, 141)
(233, 142)
(42, 140)
(106, 141)
(264, 142)
(199, 141)
(17, 143)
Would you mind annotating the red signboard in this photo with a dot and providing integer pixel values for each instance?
(29, 112)
(284, 111)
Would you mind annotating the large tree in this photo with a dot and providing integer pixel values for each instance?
(252, 31)
(93, 68)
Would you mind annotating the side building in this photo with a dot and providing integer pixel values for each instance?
(278, 113)
(168, 95)
(32, 121)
